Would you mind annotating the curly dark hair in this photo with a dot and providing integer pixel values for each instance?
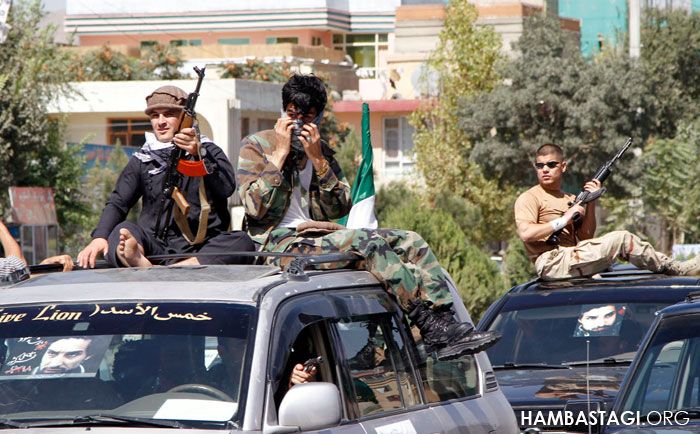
(305, 92)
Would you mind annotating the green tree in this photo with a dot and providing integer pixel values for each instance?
(32, 152)
(259, 70)
(463, 64)
(517, 267)
(163, 61)
(665, 200)
(670, 46)
(551, 94)
(105, 64)
(476, 276)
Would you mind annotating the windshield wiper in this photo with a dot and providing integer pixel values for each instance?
(511, 365)
(691, 412)
(107, 419)
(605, 362)
(12, 423)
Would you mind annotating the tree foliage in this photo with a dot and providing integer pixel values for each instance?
(259, 70)
(476, 276)
(159, 62)
(670, 47)
(551, 94)
(464, 64)
(32, 151)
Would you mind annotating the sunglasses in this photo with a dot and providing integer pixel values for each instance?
(550, 164)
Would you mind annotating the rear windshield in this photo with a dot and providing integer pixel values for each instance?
(160, 361)
(564, 328)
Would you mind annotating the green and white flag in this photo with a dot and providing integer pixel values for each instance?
(362, 212)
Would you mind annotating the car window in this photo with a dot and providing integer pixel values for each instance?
(381, 378)
(445, 380)
(311, 342)
(571, 332)
(62, 361)
(668, 373)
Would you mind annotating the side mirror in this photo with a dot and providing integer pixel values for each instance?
(585, 417)
(324, 399)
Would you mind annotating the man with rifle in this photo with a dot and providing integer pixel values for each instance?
(128, 244)
(545, 209)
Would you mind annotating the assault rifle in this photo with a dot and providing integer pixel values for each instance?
(178, 166)
(585, 196)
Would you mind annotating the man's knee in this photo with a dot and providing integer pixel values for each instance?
(623, 238)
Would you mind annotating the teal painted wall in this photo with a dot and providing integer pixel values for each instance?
(604, 17)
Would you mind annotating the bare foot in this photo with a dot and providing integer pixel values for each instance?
(129, 251)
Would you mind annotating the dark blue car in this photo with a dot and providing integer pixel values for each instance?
(661, 392)
(573, 339)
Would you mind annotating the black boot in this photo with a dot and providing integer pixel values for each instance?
(451, 339)
(366, 357)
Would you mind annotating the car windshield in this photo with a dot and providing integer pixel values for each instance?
(668, 373)
(151, 361)
(563, 329)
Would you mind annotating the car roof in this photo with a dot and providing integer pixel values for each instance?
(620, 277)
(233, 283)
(691, 304)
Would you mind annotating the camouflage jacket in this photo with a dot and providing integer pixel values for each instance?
(266, 192)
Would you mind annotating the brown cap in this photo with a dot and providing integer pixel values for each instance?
(168, 97)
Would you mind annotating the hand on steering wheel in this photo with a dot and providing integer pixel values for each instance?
(204, 389)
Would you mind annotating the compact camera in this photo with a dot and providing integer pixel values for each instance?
(298, 127)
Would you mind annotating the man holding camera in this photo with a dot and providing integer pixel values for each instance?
(292, 186)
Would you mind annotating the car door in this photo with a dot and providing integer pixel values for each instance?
(379, 393)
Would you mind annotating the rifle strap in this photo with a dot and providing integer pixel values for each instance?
(204, 211)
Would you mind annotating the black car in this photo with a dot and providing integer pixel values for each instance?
(661, 392)
(573, 338)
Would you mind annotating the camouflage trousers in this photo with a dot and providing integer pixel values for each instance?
(594, 255)
(401, 260)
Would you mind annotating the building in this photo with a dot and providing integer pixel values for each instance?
(375, 51)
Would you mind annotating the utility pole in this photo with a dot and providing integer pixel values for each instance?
(634, 31)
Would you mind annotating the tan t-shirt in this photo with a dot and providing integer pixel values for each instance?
(538, 205)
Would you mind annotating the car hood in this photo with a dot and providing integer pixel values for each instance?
(690, 428)
(551, 388)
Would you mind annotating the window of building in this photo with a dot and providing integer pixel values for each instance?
(282, 40)
(129, 132)
(364, 50)
(234, 41)
(185, 42)
(147, 44)
(316, 40)
(399, 159)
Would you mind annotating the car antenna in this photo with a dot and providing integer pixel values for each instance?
(588, 388)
